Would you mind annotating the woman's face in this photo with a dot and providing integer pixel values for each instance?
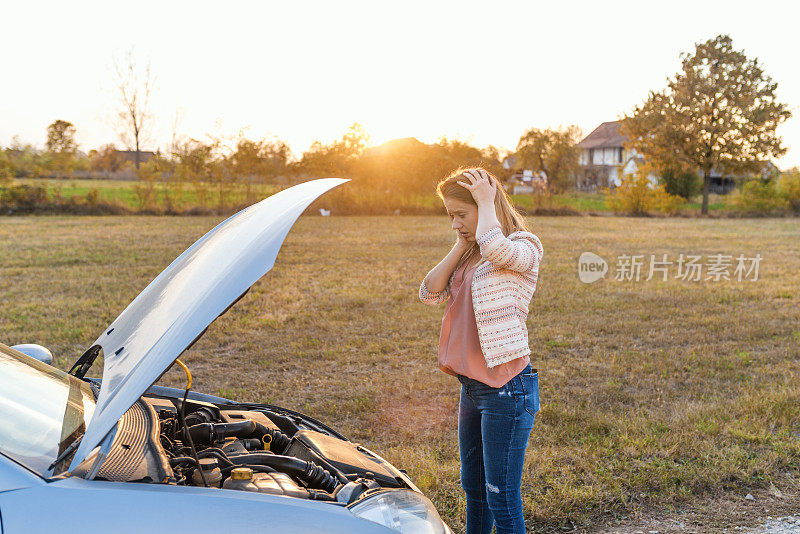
(464, 217)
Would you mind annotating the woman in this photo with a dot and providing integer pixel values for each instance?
(489, 276)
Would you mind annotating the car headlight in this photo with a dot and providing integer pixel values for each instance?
(403, 511)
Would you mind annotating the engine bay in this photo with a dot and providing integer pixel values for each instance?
(241, 447)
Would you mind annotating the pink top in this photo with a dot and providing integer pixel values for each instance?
(459, 347)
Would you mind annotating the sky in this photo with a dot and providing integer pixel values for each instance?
(302, 71)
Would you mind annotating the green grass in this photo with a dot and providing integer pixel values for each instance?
(109, 190)
(696, 206)
(582, 201)
(124, 192)
(578, 201)
(651, 392)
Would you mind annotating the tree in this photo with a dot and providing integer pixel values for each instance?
(61, 137)
(26, 160)
(106, 158)
(335, 158)
(197, 163)
(61, 145)
(453, 153)
(133, 117)
(259, 159)
(720, 112)
(553, 152)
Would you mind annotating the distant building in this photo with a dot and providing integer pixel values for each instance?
(130, 156)
(724, 183)
(526, 181)
(509, 162)
(602, 155)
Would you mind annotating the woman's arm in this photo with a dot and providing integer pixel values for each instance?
(432, 290)
(487, 217)
(520, 255)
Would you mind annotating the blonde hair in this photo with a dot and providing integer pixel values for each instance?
(508, 216)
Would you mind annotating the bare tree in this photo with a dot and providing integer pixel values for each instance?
(176, 139)
(134, 86)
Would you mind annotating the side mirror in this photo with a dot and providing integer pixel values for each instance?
(37, 352)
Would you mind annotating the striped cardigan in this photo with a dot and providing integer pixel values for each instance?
(502, 288)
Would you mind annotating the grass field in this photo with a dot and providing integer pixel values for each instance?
(651, 391)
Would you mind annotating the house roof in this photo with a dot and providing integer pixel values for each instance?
(604, 136)
(509, 162)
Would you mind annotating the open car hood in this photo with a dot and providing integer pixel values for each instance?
(180, 303)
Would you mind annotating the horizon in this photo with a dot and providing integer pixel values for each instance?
(423, 74)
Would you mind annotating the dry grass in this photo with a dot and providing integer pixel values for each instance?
(651, 391)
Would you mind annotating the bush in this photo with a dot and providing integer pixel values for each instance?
(145, 188)
(93, 198)
(683, 184)
(21, 199)
(6, 168)
(759, 197)
(24, 198)
(636, 196)
(789, 189)
(666, 202)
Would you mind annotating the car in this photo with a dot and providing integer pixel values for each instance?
(122, 454)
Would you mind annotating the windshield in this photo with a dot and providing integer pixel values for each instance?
(42, 410)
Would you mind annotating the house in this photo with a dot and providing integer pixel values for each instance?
(130, 156)
(603, 158)
(526, 181)
(725, 183)
(509, 162)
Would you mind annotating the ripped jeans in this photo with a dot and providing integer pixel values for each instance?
(494, 425)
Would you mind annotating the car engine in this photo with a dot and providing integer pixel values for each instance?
(244, 447)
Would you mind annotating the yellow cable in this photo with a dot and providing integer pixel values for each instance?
(185, 370)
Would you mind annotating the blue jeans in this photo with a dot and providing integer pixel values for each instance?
(494, 425)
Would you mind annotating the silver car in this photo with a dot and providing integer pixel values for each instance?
(120, 454)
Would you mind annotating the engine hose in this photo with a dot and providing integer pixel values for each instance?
(182, 460)
(309, 472)
(252, 444)
(335, 471)
(213, 432)
(203, 415)
(279, 441)
(319, 495)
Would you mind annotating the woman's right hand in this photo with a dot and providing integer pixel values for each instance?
(437, 278)
(461, 243)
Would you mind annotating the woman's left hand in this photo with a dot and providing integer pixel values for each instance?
(482, 187)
